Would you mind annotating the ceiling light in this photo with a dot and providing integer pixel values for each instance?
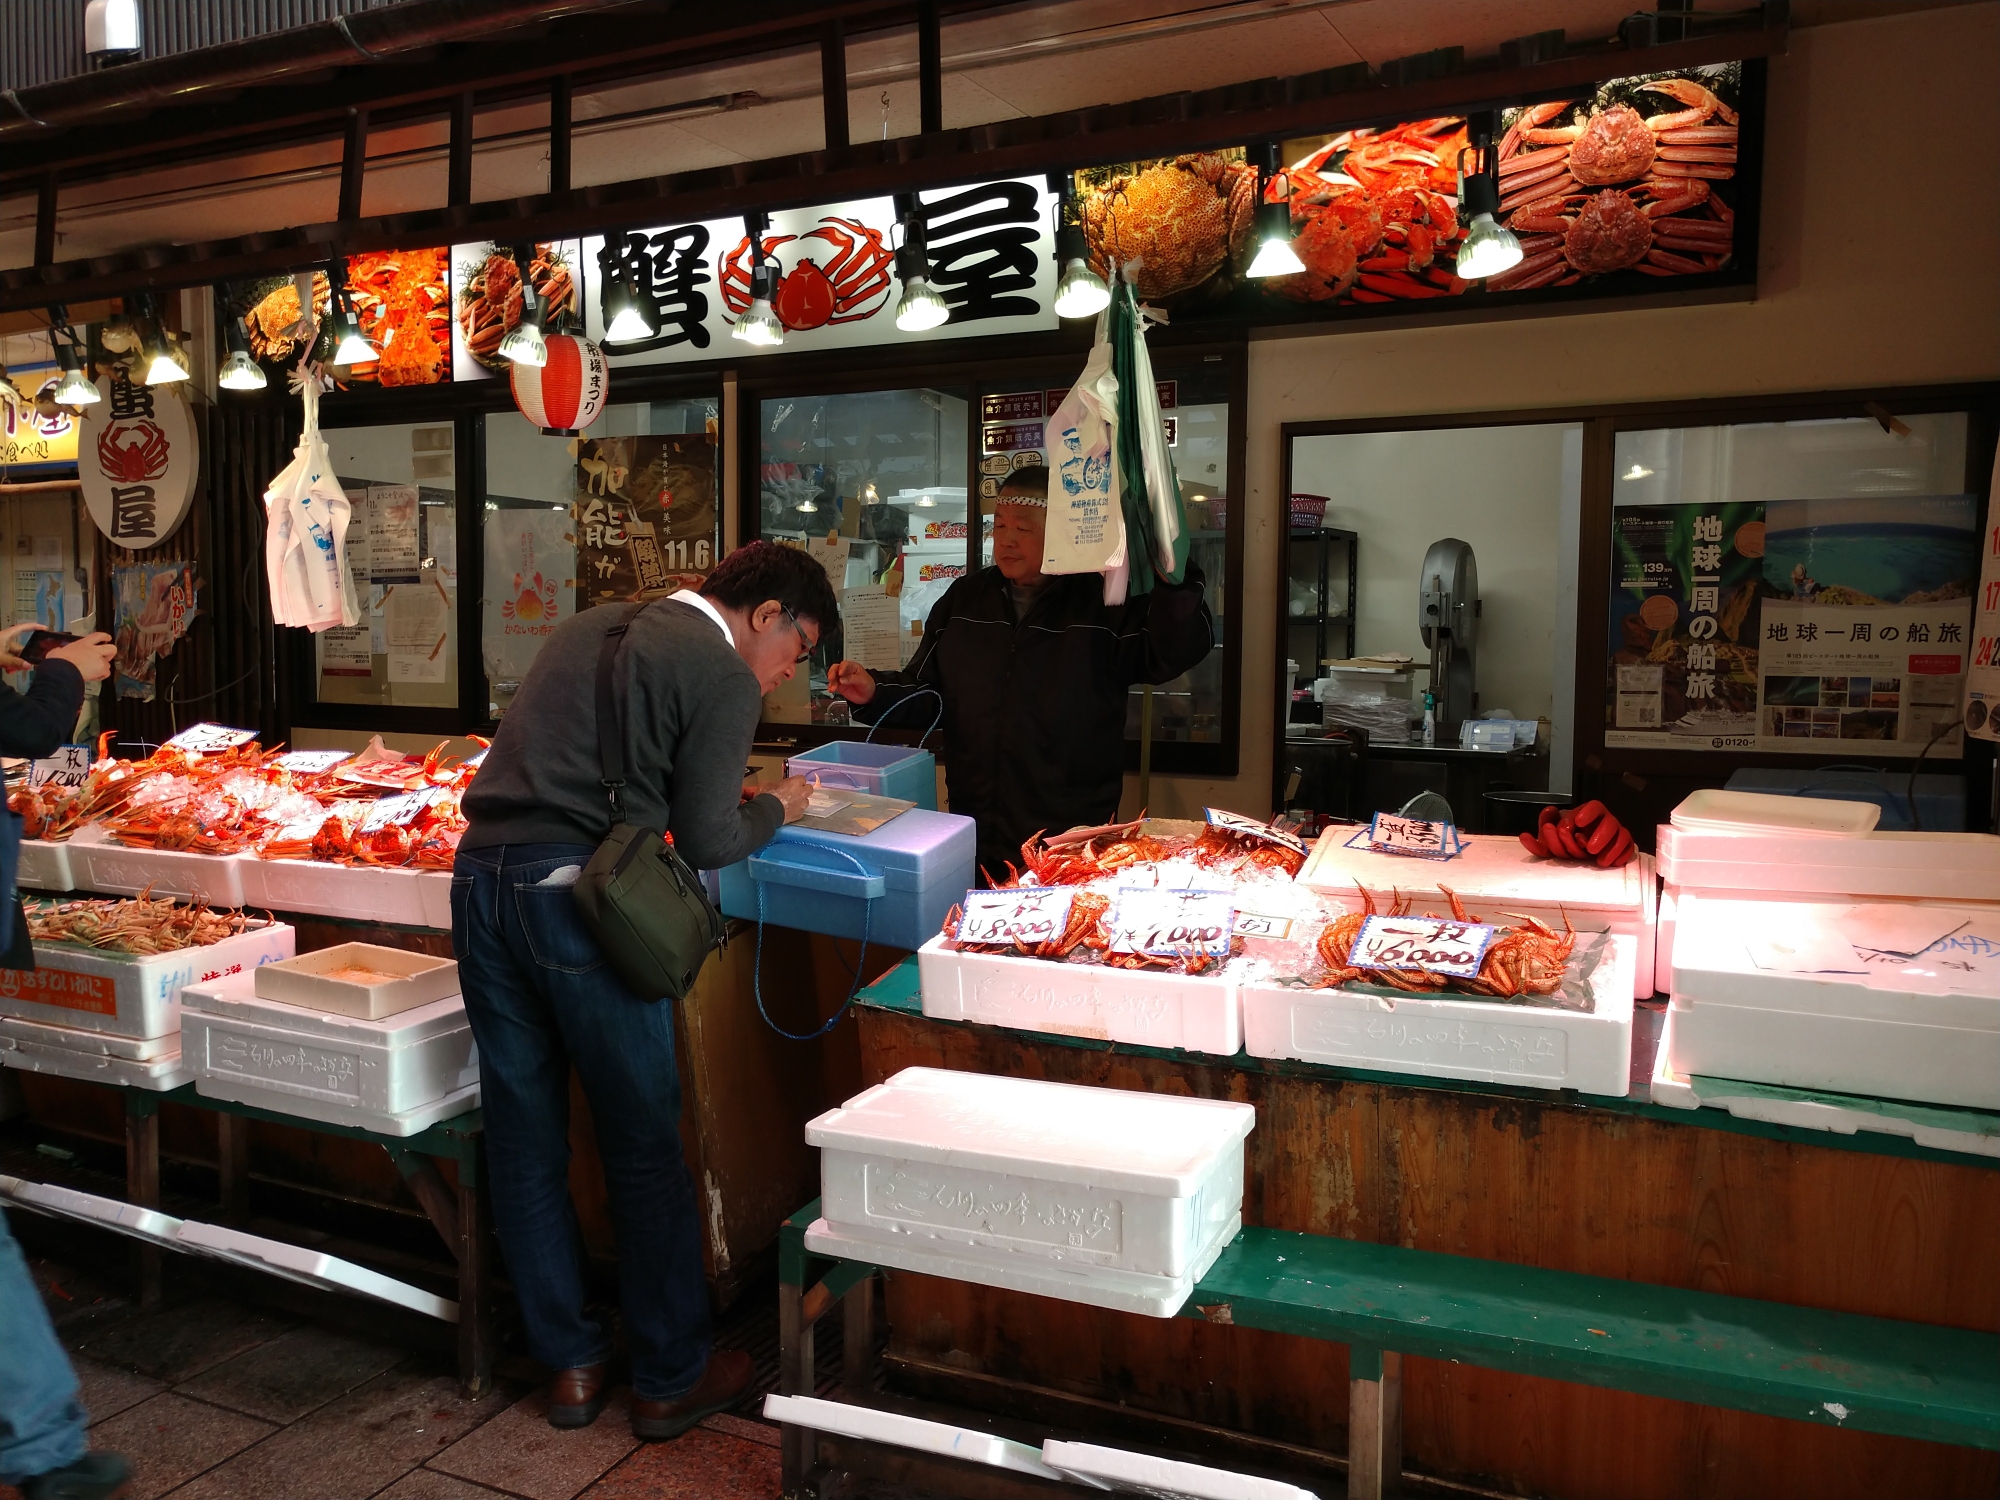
(75, 388)
(626, 317)
(920, 306)
(161, 366)
(1275, 255)
(807, 507)
(760, 326)
(1081, 293)
(239, 372)
(1488, 248)
(1637, 471)
(350, 348)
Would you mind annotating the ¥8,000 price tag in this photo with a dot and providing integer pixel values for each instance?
(1023, 915)
(1431, 943)
(1171, 922)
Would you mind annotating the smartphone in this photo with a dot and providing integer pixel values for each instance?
(42, 642)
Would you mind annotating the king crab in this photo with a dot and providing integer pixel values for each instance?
(852, 284)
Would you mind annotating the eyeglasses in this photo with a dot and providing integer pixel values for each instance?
(805, 655)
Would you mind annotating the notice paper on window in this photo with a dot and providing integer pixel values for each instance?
(417, 628)
(871, 627)
(393, 553)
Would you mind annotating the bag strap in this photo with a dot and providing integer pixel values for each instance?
(610, 723)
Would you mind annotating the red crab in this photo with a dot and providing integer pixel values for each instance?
(132, 452)
(853, 284)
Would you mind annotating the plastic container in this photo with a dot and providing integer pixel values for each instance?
(1940, 800)
(102, 1043)
(1462, 1036)
(1308, 512)
(381, 1068)
(1197, 1013)
(911, 872)
(880, 770)
(167, 1071)
(1912, 1029)
(1941, 866)
(45, 866)
(363, 980)
(1021, 1172)
(898, 1431)
(101, 865)
(1712, 811)
(131, 996)
(355, 893)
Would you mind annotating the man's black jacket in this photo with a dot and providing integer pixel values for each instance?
(1034, 708)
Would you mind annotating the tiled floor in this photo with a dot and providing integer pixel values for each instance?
(215, 1402)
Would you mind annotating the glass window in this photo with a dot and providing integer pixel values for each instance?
(866, 480)
(627, 511)
(402, 548)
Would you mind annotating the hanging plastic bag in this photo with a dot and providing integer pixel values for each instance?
(1163, 486)
(305, 538)
(1086, 532)
(1148, 490)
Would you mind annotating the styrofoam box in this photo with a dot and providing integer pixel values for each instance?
(331, 1112)
(1732, 1019)
(45, 866)
(1496, 877)
(330, 980)
(1161, 1478)
(131, 996)
(102, 865)
(1466, 1036)
(103, 1043)
(167, 1071)
(1052, 1172)
(389, 1067)
(359, 893)
(1198, 1013)
(434, 890)
(1936, 866)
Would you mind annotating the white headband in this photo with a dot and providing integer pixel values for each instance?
(1038, 501)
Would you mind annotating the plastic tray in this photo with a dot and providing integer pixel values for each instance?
(883, 770)
(330, 980)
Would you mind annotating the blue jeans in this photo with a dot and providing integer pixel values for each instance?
(41, 1421)
(541, 999)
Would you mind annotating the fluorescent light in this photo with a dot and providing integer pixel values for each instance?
(1488, 250)
(1637, 471)
(1275, 256)
(241, 373)
(1081, 293)
(75, 388)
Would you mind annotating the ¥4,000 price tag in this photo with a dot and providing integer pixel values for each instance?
(1171, 922)
(1430, 943)
(1023, 915)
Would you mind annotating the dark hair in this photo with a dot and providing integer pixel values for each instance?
(1032, 480)
(757, 571)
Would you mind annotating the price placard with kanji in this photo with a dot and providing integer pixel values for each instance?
(397, 812)
(312, 762)
(207, 739)
(1170, 923)
(1421, 838)
(1023, 916)
(1431, 944)
(1250, 828)
(69, 766)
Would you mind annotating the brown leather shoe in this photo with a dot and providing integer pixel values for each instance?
(726, 1381)
(576, 1396)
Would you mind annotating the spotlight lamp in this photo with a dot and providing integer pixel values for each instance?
(524, 343)
(1488, 248)
(349, 347)
(75, 388)
(1275, 255)
(760, 326)
(239, 372)
(920, 307)
(158, 350)
(1080, 291)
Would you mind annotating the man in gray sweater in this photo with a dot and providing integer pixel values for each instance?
(689, 678)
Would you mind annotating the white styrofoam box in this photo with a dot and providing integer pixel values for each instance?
(405, 1123)
(1663, 939)
(1119, 1291)
(1934, 866)
(1161, 1478)
(1497, 878)
(364, 980)
(1913, 1030)
(1720, 810)
(358, 893)
(1047, 1171)
(943, 1438)
(127, 995)
(387, 1067)
(434, 889)
(1197, 1013)
(103, 865)
(167, 1071)
(1458, 1036)
(45, 866)
(1839, 1114)
(104, 1043)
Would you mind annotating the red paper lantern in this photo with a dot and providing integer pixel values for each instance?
(565, 395)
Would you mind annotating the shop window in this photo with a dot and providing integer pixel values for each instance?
(627, 511)
(402, 549)
(871, 482)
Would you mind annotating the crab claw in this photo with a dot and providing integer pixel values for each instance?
(1702, 104)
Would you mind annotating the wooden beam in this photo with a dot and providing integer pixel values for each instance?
(45, 219)
(833, 82)
(353, 166)
(458, 171)
(560, 139)
(930, 69)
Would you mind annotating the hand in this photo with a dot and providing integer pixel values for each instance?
(794, 792)
(852, 681)
(92, 656)
(11, 639)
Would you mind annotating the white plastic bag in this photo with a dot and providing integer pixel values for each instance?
(305, 536)
(1086, 529)
(1162, 484)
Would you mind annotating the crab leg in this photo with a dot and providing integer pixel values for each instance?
(1698, 153)
(1530, 161)
(1391, 285)
(1679, 264)
(1700, 135)
(1533, 116)
(1537, 270)
(1552, 191)
(1692, 169)
(1703, 105)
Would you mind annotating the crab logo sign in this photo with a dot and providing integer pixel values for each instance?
(137, 463)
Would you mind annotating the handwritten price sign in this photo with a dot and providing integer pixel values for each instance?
(1172, 922)
(397, 812)
(311, 762)
(1021, 916)
(1393, 834)
(208, 739)
(1262, 925)
(1421, 943)
(69, 766)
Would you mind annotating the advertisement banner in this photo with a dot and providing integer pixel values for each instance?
(645, 515)
(530, 588)
(1851, 679)
(1982, 680)
(29, 438)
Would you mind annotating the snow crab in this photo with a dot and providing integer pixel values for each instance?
(1082, 855)
(1617, 144)
(851, 285)
(1611, 230)
(1525, 960)
(1222, 847)
(1181, 221)
(1383, 233)
(495, 296)
(1084, 929)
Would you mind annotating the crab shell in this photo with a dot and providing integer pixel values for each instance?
(1609, 233)
(1182, 222)
(1616, 146)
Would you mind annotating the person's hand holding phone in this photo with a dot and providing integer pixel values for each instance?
(91, 656)
(12, 641)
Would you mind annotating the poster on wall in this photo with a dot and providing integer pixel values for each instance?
(489, 299)
(402, 300)
(153, 605)
(645, 515)
(1982, 681)
(992, 258)
(530, 588)
(32, 437)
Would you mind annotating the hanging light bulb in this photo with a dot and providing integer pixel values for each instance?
(1275, 255)
(920, 306)
(808, 506)
(350, 348)
(75, 388)
(239, 372)
(161, 366)
(524, 343)
(760, 325)
(1080, 291)
(1488, 248)
(627, 318)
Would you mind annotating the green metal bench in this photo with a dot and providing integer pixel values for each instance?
(1839, 1369)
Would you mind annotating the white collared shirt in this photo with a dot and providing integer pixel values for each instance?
(700, 602)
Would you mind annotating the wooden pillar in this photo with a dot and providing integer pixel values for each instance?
(833, 82)
(857, 1339)
(458, 174)
(1374, 1422)
(142, 1184)
(353, 164)
(232, 1155)
(559, 135)
(930, 69)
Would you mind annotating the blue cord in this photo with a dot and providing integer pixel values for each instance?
(869, 739)
(860, 959)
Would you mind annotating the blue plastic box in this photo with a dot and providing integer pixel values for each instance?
(1940, 798)
(912, 870)
(880, 770)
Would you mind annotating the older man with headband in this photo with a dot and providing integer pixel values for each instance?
(1034, 672)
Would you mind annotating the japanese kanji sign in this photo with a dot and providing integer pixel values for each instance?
(137, 461)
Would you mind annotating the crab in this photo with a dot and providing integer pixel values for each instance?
(273, 324)
(1617, 144)
(133, 452)
(1588, 234)
(1181, 222)
(852, 285)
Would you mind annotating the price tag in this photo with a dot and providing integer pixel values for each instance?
(69, 766)
(207, 739)
(396, 812)
(1440, 946)
(1393, 834)
(312, 762)
(1148, 920)
(1024, 915)
(1259, 924)
(1251, 828)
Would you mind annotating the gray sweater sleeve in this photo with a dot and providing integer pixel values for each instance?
(711, 824)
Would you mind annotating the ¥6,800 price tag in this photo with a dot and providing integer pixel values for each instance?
(1171, 922)
(1025, 916)
(1430, 943)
